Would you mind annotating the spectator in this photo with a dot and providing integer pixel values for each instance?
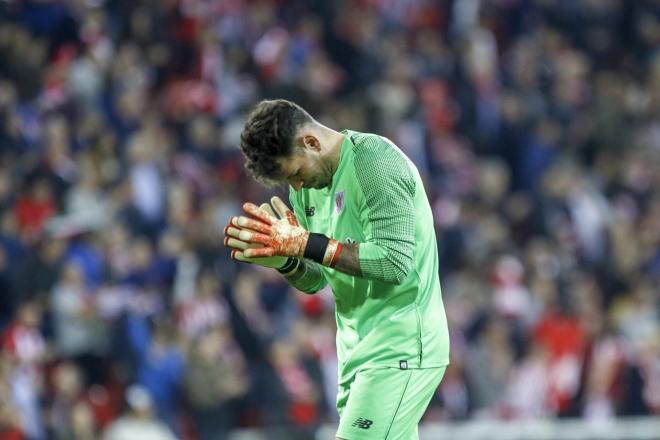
(160, 364)
(215, 382)
(78, 331)
(71, 417)
(138, 421)
(24, 349)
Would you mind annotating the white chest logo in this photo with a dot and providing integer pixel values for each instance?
(339, 201)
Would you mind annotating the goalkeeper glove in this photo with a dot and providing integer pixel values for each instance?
(282, 235)
(232, 240)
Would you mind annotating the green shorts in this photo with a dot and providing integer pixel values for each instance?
(385, 403)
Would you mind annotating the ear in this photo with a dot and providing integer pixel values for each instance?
(311, 143)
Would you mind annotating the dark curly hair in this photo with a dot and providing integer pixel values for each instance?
(269, 133)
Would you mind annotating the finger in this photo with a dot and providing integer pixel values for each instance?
(241, 222)
(283, 210)
(232, 231)
(239, 256)
(259, 213)
(266, 207)
(236, 243)
(250, 223)
(279, 206)
(247, 235)
(259, 253)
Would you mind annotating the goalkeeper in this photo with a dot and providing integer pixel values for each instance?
(361, 222)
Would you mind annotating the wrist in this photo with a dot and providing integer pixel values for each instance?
(289, 267)
(332, 252)
(322, 249)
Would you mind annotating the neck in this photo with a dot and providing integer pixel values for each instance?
(335, 141)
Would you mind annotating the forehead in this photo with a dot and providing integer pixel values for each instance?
(289, 164)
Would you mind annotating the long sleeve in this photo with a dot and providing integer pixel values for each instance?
(388, 185)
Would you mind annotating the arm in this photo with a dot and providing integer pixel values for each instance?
(306, 276)
(387, 253)
(348, 261)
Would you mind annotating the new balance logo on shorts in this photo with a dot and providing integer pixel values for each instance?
(363, 423)
(309, 211)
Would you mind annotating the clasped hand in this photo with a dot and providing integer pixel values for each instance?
(266, 233)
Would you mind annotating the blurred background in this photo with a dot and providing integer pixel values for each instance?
(535, 125)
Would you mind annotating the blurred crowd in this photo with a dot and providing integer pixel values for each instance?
(535, 125)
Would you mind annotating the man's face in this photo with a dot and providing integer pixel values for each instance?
(304, 169)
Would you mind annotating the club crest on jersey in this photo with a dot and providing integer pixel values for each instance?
(339, 201)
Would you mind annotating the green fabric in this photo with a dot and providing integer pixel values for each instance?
(388, 185)
(386, 403)
(395, 312)
(308, 277)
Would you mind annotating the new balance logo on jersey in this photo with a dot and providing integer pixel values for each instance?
(309, 211)
(362, 423)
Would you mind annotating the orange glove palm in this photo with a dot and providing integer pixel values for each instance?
(281, 236)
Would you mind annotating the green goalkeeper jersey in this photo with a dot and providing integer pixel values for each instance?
(393, 315)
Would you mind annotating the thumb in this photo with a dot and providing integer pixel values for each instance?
(284, 211)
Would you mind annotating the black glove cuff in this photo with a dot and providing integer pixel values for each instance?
(316, 247)
(290, 265)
